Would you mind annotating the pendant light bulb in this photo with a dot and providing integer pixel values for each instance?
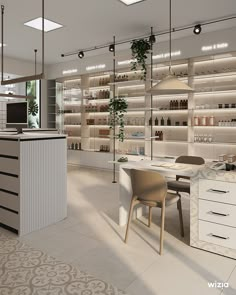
(112, 48)
(81, 54)
(197, 29)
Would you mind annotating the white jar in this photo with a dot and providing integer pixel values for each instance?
(212, 121)
(196, 121)
(203, 121)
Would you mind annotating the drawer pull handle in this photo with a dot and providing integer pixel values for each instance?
(211, 190)
(218, 214)
(219, 237)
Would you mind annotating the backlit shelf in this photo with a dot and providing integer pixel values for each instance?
(215, 127)
(170, 127)
(215, 143)
(222, 110)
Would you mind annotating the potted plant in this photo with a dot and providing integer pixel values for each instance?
(140, 49)
(33, 110)
(117, 109)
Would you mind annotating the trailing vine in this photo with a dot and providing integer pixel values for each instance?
(140, 50)
(117, 109)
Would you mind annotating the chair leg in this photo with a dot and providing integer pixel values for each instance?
(129, 218)
(162, 227)
(150, 217)
(179, 206)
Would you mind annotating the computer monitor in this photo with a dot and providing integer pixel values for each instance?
(17, 115)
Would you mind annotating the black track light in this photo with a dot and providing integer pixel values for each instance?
(197, 29)
(112, 48)
(152, 39)
(81, 54)
(62, 55)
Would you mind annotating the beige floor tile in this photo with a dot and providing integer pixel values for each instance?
(183, 272)
(231, 290)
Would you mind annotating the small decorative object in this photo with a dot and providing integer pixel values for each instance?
(33, 108)
(72, 146)
(76, 146)
(185, 123)
(177, 123)
(117, 109)
(140, 49)
(122, 160)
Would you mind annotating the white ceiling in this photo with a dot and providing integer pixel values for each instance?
(88, 23)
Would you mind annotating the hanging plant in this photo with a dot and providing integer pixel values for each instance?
(140, 49)
(117, 109)
(33, 108)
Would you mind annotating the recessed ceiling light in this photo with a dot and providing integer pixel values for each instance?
(48, 24)
(130, 2)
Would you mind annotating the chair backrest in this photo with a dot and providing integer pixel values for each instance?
(148, 185)
(189, 160)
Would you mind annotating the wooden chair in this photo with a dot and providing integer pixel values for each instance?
(150, 189)
(184, 186)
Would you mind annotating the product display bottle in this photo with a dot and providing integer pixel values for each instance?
(196, 121)
(171, 105)
(176, 105)
(72, 146)
(150, 121)
(156, 122)
(161, 136)
(157, 134)
(168, 122)
(204, 121)
(212, 121)
(76, 146)
(162, 121)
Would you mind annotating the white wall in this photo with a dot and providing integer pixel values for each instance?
(189, 46)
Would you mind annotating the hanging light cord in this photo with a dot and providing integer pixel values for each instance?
(170, 16)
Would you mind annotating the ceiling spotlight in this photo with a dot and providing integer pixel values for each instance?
(197, 29)
(81, 54)
(152, 39)
(112, 48)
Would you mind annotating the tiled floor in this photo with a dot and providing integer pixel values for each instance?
(91, 239)
(29, 271)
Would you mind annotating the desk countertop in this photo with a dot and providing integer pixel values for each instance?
(29, 136)
(164, 167)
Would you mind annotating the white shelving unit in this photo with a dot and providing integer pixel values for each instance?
(214, 81)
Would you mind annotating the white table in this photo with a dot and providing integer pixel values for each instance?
(125, 181)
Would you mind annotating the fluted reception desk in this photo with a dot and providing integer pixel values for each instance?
(32, 181)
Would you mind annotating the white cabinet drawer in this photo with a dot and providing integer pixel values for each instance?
(9, 183)
(9, 148)
(218, 191)
(9, 218)
(9, 165)
(224, 214)
(221, 235)
(9, 201)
